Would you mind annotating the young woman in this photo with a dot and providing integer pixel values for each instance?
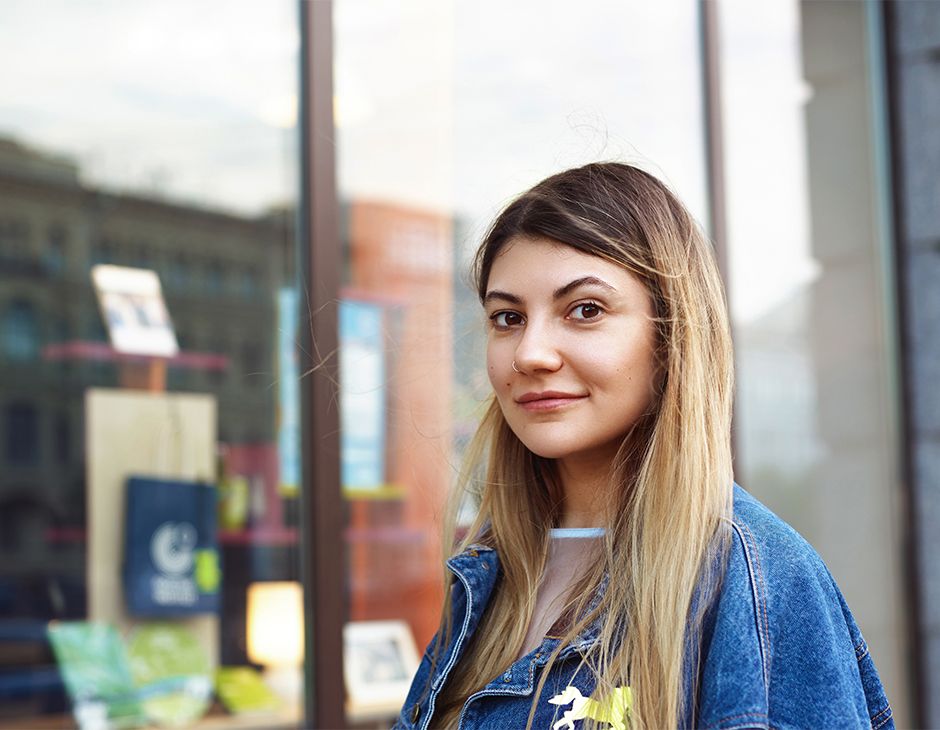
(614, 575)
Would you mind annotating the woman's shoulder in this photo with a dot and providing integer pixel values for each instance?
(770, 551)
(781, 631)
(754, 523)
(781, 578)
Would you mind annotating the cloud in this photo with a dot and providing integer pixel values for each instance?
(195, 94)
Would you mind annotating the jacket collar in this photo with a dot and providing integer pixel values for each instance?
(478, 569)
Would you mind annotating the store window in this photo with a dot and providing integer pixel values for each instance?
(144, 499)
(443, 112)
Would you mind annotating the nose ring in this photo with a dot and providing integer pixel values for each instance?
(514, 367)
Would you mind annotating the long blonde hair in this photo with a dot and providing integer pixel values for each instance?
(671, 483)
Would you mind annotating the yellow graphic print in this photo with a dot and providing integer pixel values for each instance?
(614, 709)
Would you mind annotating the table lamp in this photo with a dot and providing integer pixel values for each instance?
(276, 635)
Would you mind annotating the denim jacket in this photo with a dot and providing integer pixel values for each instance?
(779, 646)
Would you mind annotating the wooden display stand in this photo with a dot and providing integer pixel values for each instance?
(140, 430)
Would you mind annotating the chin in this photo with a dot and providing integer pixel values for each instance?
(549, 450)
(548, 453)
(564, 447)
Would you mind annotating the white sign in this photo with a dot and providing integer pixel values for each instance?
(134, 312)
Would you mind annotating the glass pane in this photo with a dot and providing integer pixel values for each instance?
(442, 115)
(148, 435)
(815, 421)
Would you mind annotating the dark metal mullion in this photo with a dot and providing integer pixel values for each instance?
(916, 635)
(323, 561)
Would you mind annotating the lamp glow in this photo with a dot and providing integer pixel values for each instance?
(276, 634)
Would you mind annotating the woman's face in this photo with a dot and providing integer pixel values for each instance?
(579, 330)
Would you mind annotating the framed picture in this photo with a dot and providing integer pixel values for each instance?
(134, 312)
(380, 660)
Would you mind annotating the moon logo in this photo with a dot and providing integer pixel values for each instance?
(171, 547)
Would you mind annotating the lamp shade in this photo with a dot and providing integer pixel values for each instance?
(276, 624)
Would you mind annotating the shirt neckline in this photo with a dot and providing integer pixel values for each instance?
(576, 532)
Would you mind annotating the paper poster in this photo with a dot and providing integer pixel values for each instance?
(362, 395)
(288, 426)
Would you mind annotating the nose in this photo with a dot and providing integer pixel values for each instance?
(537, 350)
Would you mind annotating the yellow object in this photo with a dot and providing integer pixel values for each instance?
(386, 492)
(208, 574)
(242, 691)
(613, 709)
(233, 502)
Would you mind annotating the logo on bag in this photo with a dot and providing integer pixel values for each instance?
(171, 547)
(172, 551)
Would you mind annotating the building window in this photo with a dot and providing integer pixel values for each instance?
(21, 331)
(214, 278)
(141, 257)
(54, 255)
(14, 238)
(63, 437)
(249, 283)
(95, 331)
(102, 252)
(177, 273)
(252, 360)
(61, 330)
(21, 428)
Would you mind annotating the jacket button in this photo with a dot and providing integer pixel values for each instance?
(474, 554)
(416, 713)
(486, 566)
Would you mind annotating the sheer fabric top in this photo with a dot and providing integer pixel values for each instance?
(571, 551)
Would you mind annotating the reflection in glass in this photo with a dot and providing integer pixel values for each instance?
(20, 331)
(159, 137)
(443, 113)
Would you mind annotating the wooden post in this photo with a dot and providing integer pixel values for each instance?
(149, 375)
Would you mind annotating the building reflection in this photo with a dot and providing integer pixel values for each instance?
(221, 273)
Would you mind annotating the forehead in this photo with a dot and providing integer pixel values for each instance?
(527, 265)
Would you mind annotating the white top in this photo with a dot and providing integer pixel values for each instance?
(570, 552)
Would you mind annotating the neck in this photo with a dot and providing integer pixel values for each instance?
(584, 484)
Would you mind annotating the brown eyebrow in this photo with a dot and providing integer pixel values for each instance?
(505, 296)
(583, 281)
(557, 294)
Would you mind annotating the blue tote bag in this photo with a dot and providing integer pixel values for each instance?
(171, 556)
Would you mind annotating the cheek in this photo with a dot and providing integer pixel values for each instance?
(633, 369)
(499, 375)
(492, 371)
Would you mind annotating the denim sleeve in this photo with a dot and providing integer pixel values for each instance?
(781, 649)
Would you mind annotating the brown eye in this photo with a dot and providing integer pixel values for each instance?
(588, 310)
(504, 320)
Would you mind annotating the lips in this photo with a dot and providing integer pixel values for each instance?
(548, 400)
